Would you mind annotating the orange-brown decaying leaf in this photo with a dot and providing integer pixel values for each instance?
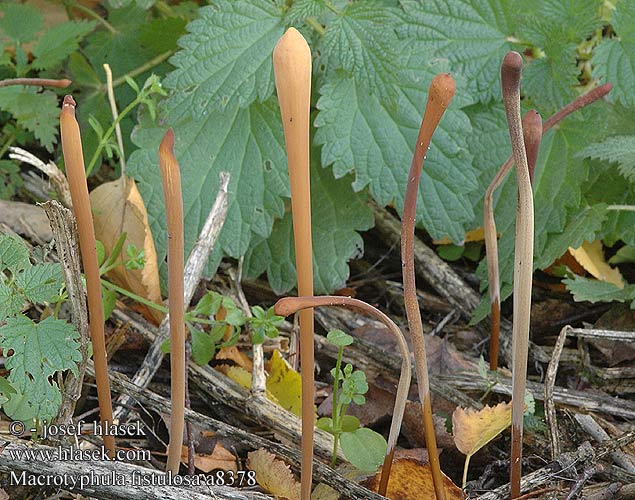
(410, 479)
(473, 429)
(117, 207)
(220, 458)
(273, 475)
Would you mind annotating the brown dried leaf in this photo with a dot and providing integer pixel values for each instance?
(411, 479)
(273, 475)
(237, 356)
(221, 458)
(118, 207)
(473, 429)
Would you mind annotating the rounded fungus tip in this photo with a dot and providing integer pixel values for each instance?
(284, 307)
(510, 73)
(513, 61)
(443, 88)
(292, 43)
(168, 140)
(69, 101)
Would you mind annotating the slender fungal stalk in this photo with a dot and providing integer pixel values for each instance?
(440, 94)
(292, 69)
(291, 305)
(171, 178)
(42, 82)
(523, 259)
(532, 135)
(74, 161)
(489, 224)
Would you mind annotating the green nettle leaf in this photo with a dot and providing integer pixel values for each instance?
(41, 283)
(550, 81)
(248, 143)
(39, 350)
(301, 9)
(14, 254)
(614, 58)
(20, 22)
(226, 57)
(589, 290)
(162, 35)
(337, 214)
(58, 42)
(364, 448)
(36, 111)
(362, 40)
(472, 34)
(375, 140)
(618, 149)
(11, 302)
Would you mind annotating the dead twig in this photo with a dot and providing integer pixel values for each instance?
(550, 382)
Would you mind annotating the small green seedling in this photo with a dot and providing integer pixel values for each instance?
(364, 448)
(264, 324)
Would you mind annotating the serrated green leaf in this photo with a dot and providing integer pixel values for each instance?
(11, 301)
(301, 9)
(591, 290)
(226, 56)
(246, 142)
(14, 255)
(161, 35)
(203, 348)
(337, 214)
(618, 149)
(614, 58)
(36, 111)
(549, 82)
(360, 133)
(58, 42)
(20, 22)
(362, 40)
(41, 283)
(39, 350)
(472, 34)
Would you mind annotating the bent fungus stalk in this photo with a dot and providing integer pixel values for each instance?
(171, 178)
(489, 223)
(291, 305)
(292, 69)
(76, 173)
(440, 94)
(532, 135)
(523, 259)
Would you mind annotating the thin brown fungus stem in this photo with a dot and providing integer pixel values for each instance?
(291, 305)
(441, 92)
(489, 223)
(292, 70)
(532, 135)
(523, 260)
(38, 82)
(171, 178)
(76, 173)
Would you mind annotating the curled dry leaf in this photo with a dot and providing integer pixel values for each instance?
(117, 208)
(220, 458)
(410, 479)
(591, 258)
(473, 429)
(273, 475)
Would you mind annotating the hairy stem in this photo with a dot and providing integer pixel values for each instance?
(523, 259)
(489, 223)
(171, 178)
(290, 305)
(74, 160)
(292, 69)
(440, 94)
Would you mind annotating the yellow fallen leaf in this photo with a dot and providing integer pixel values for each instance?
(242, 377)
(273, 475)
(591, 258)
(473, 429)
(117, 208)
(284, 383)
(234, 354)
(411, 479)
(473, 235)
(221, 458)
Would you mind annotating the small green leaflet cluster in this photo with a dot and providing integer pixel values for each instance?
(362, 447)
(373, 61)
(39, 349)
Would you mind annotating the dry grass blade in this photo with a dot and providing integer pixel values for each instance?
(441, 92)
(292, 69)
(171, 178)
(291, 305)
(75, 170)
(523, 259)
(489, 224)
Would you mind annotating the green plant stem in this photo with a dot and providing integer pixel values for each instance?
(311, 21)
(155, 61)
(627, 208)
(332, 8)
(336, 383)
(134, 296)
(95, 16)
(8, 143)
